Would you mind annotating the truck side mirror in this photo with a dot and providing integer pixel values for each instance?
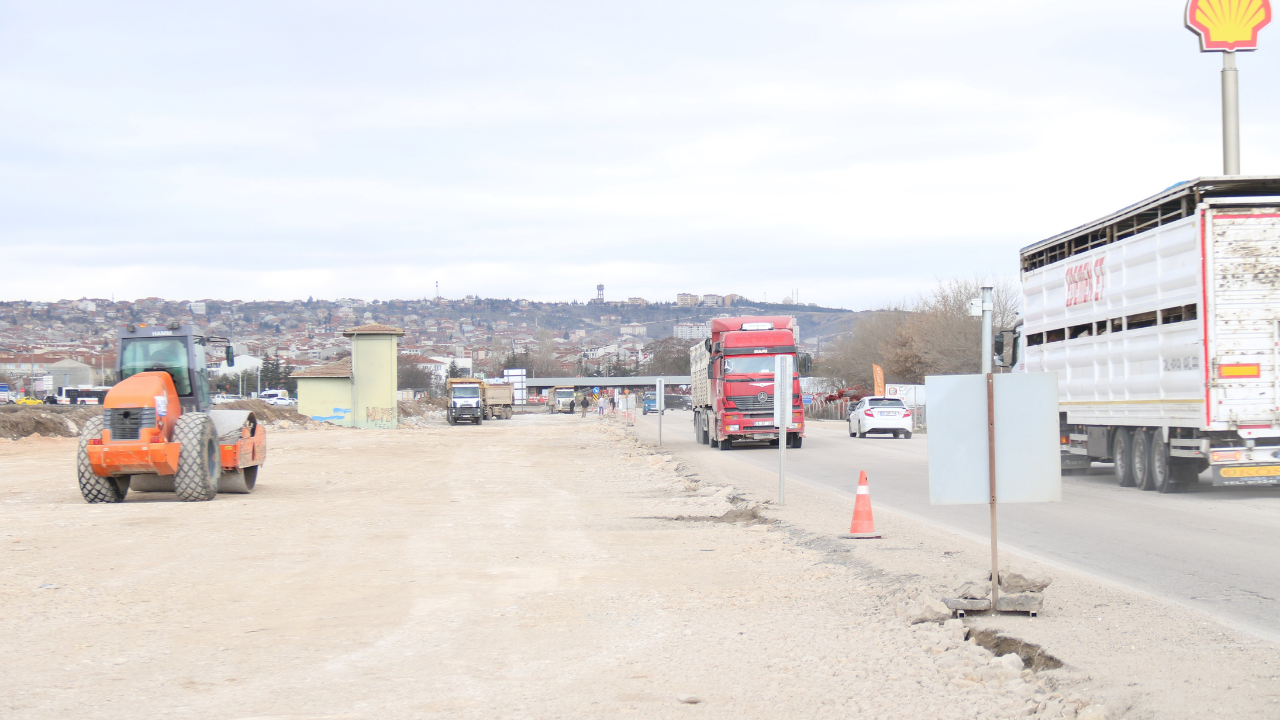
(1003, 342)
(804, 363)
(231, 356)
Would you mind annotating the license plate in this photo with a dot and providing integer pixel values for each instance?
(763, 423)
(888, 414)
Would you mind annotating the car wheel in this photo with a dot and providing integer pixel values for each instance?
(906, 435)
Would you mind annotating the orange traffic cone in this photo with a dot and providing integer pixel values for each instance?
(863, 526)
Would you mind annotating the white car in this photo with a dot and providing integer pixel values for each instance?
(223, 399)
(289, 402)
(880, 415)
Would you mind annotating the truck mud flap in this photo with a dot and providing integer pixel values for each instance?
(1230, 475)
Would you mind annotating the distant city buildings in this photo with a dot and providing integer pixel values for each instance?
(692, 331)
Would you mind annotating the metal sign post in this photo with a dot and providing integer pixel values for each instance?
(661, 405)
(782, 399)
(988, 310)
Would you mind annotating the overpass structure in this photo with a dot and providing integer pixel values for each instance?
(640, 381)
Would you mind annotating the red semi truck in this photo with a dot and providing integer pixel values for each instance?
(732, 377)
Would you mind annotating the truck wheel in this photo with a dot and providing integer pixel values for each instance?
(697, 429)
(726, 444)
(1142, 460)
(794, 441)
(479, 419)
(450, 419)
(1163, 478)
(198, 460)
(506, 414)
(94, 488)
(1121, 452)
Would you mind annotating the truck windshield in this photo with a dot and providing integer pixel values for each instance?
(748, 364)
(564, 394)
(166, 354)
(466, 391)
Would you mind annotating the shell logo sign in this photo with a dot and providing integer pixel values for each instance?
(1228, 25)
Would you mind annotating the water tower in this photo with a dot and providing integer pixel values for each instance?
(600, 294)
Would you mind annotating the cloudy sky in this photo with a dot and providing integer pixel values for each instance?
(856, 150)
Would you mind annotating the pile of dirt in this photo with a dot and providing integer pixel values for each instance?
(266, 412)
(19, 421)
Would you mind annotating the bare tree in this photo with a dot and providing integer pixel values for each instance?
(847, 360)
(668, 356)
(939, 337)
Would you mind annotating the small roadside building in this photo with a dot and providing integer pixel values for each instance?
(358, 391)
(324, 392)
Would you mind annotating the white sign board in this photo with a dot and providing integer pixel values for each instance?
(782, 397)
(1028, 454)
(661, 403)
(910, 395)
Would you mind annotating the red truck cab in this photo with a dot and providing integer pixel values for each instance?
(733, 383)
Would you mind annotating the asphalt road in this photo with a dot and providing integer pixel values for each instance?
(1213, 549)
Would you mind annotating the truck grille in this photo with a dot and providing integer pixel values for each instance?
(125, 423)
(753, 402)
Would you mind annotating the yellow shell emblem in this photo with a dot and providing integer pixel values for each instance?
(1228, 25)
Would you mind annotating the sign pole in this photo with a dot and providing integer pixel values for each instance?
(988, 310)
(782, 417)
(991, 484)
(1230, 115)
(661, 405)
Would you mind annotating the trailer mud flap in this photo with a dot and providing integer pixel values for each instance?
(1246, 475)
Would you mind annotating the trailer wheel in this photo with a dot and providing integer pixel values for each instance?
(1121, 451)
(1142, 451)
(1163, 477)
(94, 488)
(198, 460)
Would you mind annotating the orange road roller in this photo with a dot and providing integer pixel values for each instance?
(157, 432)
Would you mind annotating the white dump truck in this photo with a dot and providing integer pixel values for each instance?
(499, 401)
(1162, 321)
(475, 400)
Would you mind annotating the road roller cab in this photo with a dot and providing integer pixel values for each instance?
(157, 431)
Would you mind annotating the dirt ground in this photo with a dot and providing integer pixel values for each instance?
(546, 566)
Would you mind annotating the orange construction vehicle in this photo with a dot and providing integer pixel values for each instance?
(157, 432)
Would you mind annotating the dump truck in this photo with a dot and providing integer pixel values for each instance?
(562, 399)
(157, 432)
(499, 401)
(1162, 321)
(466, 400)
(732, 381)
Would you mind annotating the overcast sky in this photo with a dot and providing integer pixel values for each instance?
(855, 150)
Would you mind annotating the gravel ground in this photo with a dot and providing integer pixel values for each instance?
(546, 566)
